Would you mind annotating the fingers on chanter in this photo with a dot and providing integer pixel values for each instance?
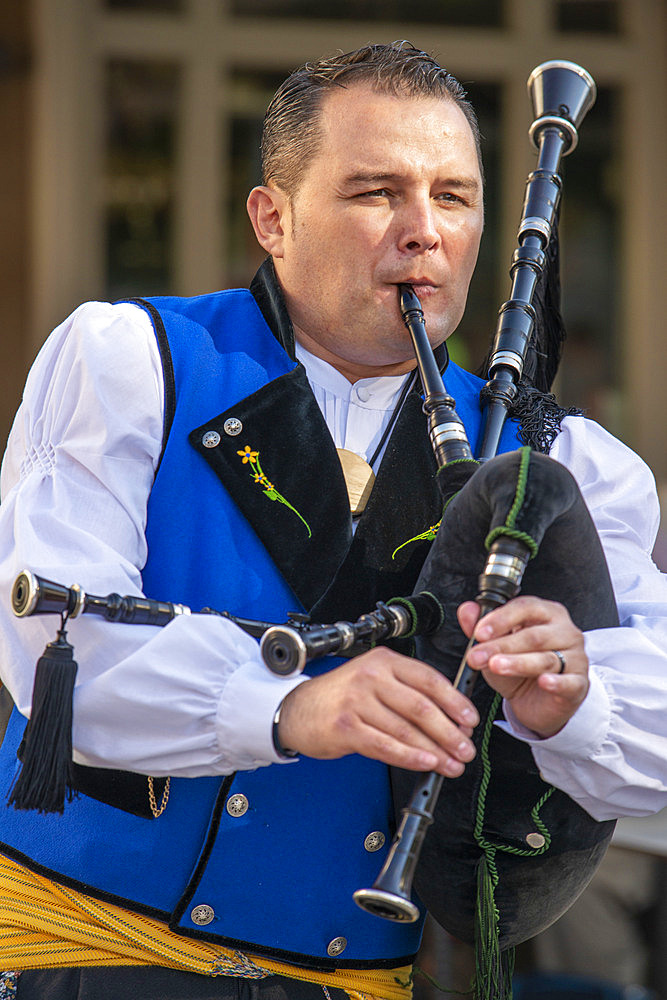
(520, 615)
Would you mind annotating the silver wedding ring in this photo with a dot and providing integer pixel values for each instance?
(561, 660)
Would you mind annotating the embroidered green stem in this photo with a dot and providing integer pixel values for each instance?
(430, 533)
(426, 536)
(248, 456)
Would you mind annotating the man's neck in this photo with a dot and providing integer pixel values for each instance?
(352, 370)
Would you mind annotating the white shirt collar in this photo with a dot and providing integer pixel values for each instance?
(378, 393)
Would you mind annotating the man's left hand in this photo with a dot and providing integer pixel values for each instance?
(515, 652)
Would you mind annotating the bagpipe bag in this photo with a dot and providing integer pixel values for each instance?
(507, 852)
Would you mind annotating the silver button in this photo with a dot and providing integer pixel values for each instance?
(374, 841)
(336, 946)
(232, 426)
(202, 914)
(237, 805)
(211, 439)
(535, 840)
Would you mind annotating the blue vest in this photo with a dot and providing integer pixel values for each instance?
(278, 878)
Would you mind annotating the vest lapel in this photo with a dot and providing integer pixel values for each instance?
(282, 471)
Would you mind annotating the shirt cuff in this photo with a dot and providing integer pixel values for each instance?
(245, 715)
(582, 736)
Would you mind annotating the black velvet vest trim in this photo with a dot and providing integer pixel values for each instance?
(123, 789)
(169, 381)
(283, 423)
(268, 295)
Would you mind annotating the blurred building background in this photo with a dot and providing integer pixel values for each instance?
(130, 138)
(130, 134)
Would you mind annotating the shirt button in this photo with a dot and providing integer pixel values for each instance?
(237, 805)
(337, 946)
(202, 914)
(363, 393)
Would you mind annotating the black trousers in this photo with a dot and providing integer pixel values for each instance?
(154, 983)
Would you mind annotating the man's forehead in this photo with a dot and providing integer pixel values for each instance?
(339, 100)
(366, 121)
(362, 107)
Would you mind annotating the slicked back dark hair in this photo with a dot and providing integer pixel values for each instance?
(291, 134)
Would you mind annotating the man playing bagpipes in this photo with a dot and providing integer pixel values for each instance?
(218, 817)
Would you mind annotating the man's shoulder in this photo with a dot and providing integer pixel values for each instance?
(215, 315)
(198, 305)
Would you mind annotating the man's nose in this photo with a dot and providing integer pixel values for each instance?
(419, 232)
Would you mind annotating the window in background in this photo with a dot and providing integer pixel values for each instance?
(250, 93)
(139, 176)
(476, 13)
(588, 15)
(152, 6)
(589, 374)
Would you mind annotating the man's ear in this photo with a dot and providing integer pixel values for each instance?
(269, 212)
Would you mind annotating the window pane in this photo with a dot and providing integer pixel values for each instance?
(139, 181)
(167, 6)
(250, 93)
(487, 13)
(588, 15)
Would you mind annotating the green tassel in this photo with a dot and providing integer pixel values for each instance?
(493, 967)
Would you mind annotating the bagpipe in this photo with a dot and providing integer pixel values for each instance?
(497, 854)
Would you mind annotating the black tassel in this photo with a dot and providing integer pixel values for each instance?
(535, 408)
(548, 339)
(548, 336)
(45, 779)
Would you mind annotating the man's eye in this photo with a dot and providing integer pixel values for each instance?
(375, 193)
(450, 198)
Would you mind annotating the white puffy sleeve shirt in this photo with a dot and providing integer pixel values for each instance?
(194, 698)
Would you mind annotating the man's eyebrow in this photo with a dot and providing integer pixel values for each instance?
(369, 177)
(362, 177)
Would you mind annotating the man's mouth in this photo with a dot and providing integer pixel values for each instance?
(422, 287)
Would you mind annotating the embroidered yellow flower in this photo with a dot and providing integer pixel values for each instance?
(259, 477)
(248, 455)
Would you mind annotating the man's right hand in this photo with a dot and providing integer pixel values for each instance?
(384, 706)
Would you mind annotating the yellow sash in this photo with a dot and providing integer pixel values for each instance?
(46, 925)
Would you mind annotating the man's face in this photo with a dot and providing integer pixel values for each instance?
(393, 195)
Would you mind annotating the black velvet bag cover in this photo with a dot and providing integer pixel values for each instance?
(539, 847)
